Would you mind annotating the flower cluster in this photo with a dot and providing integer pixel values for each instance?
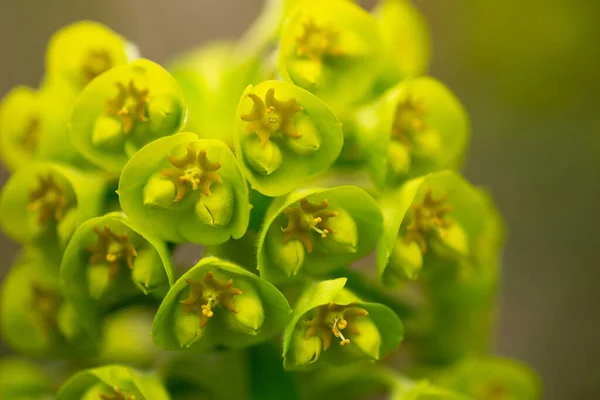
(314, 165)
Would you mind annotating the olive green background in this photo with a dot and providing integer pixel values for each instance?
(527, 72)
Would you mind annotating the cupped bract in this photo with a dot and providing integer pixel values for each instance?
(184, 189)
(112, 382)
(332, 49)
(284, 136)
(43, 203)
(217, 303)
(314, 231)
(124, 109)
(331, 325)
(416, 127)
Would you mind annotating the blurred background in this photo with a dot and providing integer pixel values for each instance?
(527, 72)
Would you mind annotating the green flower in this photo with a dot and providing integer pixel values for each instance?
(123, 110)
(218, 303)
(285, 136)
(492, 379)
(326, 312)
(414, 128)
(314, 231)
(431, 220)
(111, 382)
(332, 49)
(184, 189)
(43, 203)
(23, 380)
(107, 258)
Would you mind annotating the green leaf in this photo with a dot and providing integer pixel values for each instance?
(209, 211)
(416, 127)
(180, 325)
(23, 380)
(326, 304)
(111, 381)
(108, 260)
(123, 110)
(332, 50)
(492, 377)
(355, 230)
(43, 203)
(284, 136)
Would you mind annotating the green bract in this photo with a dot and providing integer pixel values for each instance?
(327, 312)
(332, 49)
(35, 318)
(406, 41)
(112, 382)
(314, 231)
(284, 136)
(105, 260)
(218, 303)
(124, 109)
(492, 378)
(432, 219)
(211, 79)
(414, 128)
(43, 203)
(185, 189)
(23, 380)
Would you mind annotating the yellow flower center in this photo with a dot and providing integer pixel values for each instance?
(95, 63)
(306, 218)
(427, 218)
(408, 121)
(111, 249)
(317, 41)
(129, 106)
(332, 319)
(48, 200)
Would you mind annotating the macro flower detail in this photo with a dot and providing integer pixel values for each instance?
(270, 116)
(317, 41)
(45, 304)
(332, 319)
(95, 63)
(48, 200)
(408, 120)
(428, 217)
(118, 395)
(194, 169)
(31, 134)
(207, 294)
(129, 106)
(306, 218)
(112, 249)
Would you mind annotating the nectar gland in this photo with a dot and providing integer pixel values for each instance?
(306, 218)
(332, 319)
(207, 294)
(428, 217)
(129, 106)
(111, 249)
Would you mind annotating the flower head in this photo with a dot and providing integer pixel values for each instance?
(129, 106)
(428, 217)
(111, 249)
(306, 218)
(332, 319)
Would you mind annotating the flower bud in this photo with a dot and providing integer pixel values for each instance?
(304, 350)
(148, 272)
(263, 159)
(98, 280)
(343, 234)
(406, 258)
(399, 159)
(187, 327)
(308, 142)
(163, 114)
(107, 132)
(216, 209)
(287, 256)
(454, 242)
(369, 340)
(250, 315)
(159, 192)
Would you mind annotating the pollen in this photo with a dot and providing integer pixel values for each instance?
(112, 250)
(271, 116)
(129, 106)
(118, 395)
(331, 319)
(307, 218)
(205, 295)
(96, 62)
(48, 200)
(192, 170)
(408, 121)
(317, 41)
(428, 217)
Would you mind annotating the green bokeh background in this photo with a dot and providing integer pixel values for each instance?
(527, 73)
